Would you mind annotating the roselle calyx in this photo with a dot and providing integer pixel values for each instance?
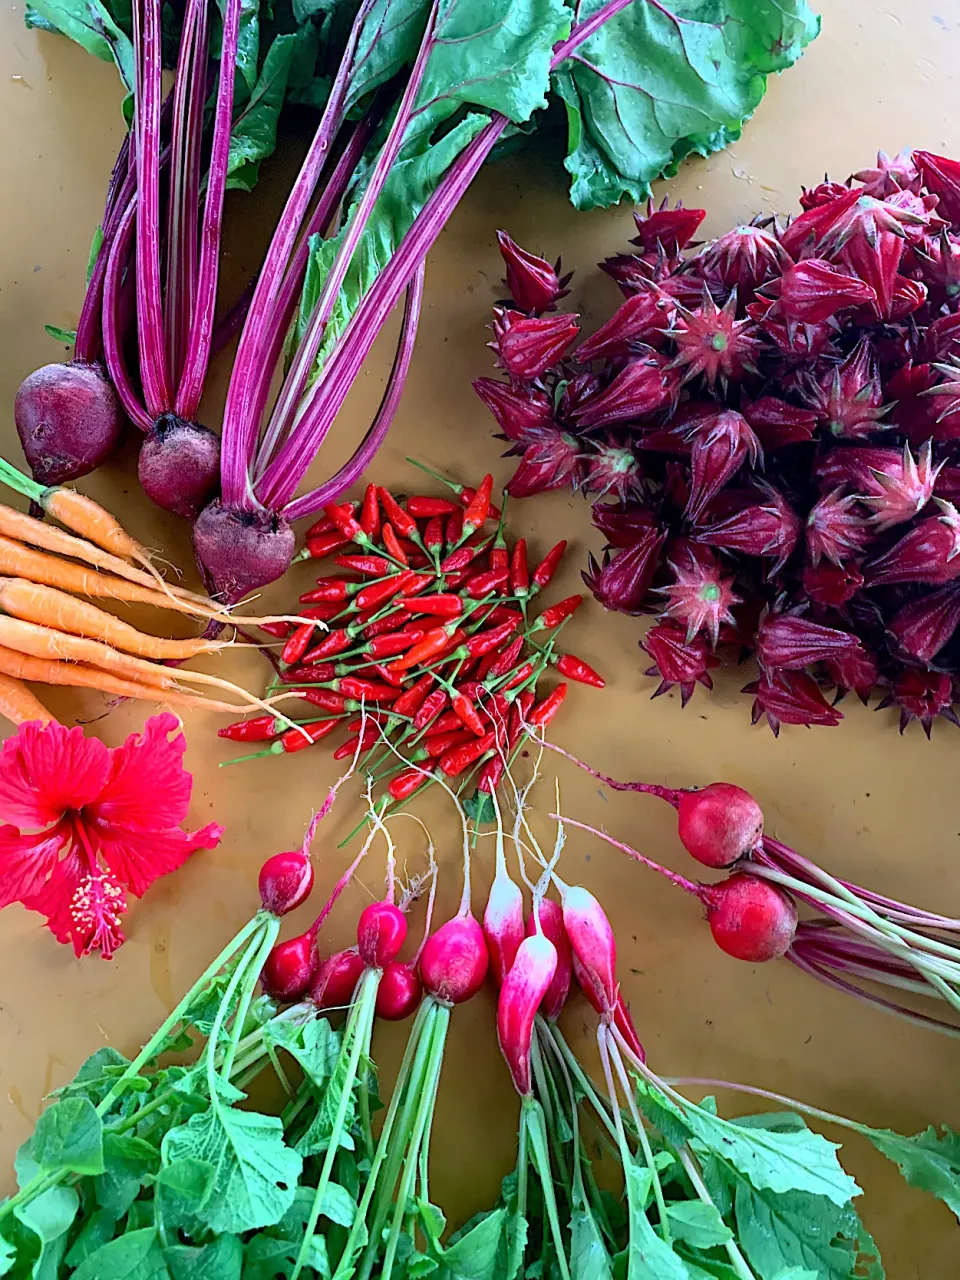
(533, 283)
(678, 661)
(529, 345)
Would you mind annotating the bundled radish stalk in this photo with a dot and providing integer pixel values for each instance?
(857, 936)
(767, 424)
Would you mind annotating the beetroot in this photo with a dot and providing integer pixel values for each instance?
(749, 918)
(719, 824)
(69, 421)
(239, 551)
(179, 465)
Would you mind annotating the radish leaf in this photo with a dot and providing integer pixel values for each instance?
(128, 1163)
(221, 1260)
(134, 1256)
(928, 1160)
(698, 1224)
(181, 1191)
(648, 1257)
(779, 1231)
(658, 82)
(68, 1136)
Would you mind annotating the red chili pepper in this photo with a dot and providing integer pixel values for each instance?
(326, 544)
(393, 546)
(483, 584)
(557, 613)
(519, 676)
(380, 626)
(370, 512)
(519, 572)
(302, 674)
(433, 534)
(374, 596)
(425, 508)
(371, 690)
(519, 713)
(460, 558)
(543, 573)
(429, 646)
(446, 722)
(373, 566)
(404, 524)
(436, 745)
(544, 711)
(485, 642)
(418, 582)
(369, 739)
(506, 660)
(371, 717)
(333, 643)
(461, 758)
(346, 522)
(431, 706)
(330, 591)
(441, 606)
(499, 556)
(483, 669)
(409, 703)
(406, 783)
(293, 739)
(318, 529)
(259, 729)
(393, 643)
(395, 678)
(468, 714)
(491, 775)
(279, 629)
(454, 530)
(322, 612)
(296, 646)
(495, 614)
(576, 669)
(479, 506)
(325, 699)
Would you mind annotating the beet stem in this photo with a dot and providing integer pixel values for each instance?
(113, 329)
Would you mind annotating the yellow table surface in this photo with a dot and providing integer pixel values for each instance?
(864, 802)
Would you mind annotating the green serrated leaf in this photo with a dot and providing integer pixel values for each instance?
(473, 1256)
(96, 1076)
(68, 1138)
(479, 808)
(221, 1260)
(314, 1045)
(181, 1193)
(256, 1172)
(929, 1161)
(128, 1163)
(134, 1256)
(658, 81)
(698, 1224)
(648, 1257)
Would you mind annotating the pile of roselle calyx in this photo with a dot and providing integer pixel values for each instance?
(768, 427)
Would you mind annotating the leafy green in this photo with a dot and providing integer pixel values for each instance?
(658, 82)
(273, 1252)
(473, 1255)
(128, 1162)
(7, 1255)
(254, 133)
(697, 1223)
(255, 1171)
(134, 1256)
(221, 1260)
(99, 1227)
(589, 1259)
(68, 1138)
(928, 1161)
(91, 25)
(66, 336)
(314, 1045)
(648, 1257)
(181, 1193)
(389, 41)
(49, 1218)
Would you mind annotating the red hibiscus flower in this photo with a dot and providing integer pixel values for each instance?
(114, 813)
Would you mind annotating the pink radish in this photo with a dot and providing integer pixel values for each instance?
(523, 988)
(285, 881)
(719, 824)
(749, 918)
(593, 943)
(454, 961)
(290, 967)
(381, 932)
(399, 992)
(503, 918)
(336, 979)
(551, 922)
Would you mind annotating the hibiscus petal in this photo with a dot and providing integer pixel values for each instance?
(54, 898)
(148, 789)
(27, 860)
(137, 858)
(47, 769)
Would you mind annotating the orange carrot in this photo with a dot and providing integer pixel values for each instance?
(55, 609)
(89, 520)
(18, 704)
(78, 675)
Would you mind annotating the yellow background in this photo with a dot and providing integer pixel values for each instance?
(863, 801)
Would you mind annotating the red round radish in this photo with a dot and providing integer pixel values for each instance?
(336, 979)
(593, 943)
(179, 465)
(523, 989)
(503, 925)
(749, 918)
(290, 968)
(381, 932)
(69, 421)
(285, 881)
(551, 922)
(719, 824)
(399, 992)
(454, 960)
(241, 551)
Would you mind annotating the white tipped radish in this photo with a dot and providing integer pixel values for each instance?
(523, 988)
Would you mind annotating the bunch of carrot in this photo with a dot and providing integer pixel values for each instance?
(48, 636)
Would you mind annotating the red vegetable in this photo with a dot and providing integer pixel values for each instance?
(285, 881)
(524, 987)
(593, 944)
(750, 919)
(551, 923)
(290, 967)
(336, 979)
(259, 729)
(399, 992)
(454, 961)
(719, 824)
(381, 932)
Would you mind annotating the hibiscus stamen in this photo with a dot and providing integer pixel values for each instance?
(95, 909)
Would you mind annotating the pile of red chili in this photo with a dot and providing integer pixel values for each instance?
(424, 646)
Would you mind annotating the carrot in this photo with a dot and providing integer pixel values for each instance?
(57, 610)
(77, 675)
(18, 704)
(87, 519)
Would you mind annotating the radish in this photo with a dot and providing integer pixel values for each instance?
(719, 824)
(749, 918)
(399, 992)
(593, 943)
(454, 961)
(551, 922)
(291, 967)
(69, 421)
(381, 932)
(285, 881)
(524, 987)
(503, 917)
(336, 980)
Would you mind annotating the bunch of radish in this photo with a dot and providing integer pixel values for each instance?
(853, 936)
